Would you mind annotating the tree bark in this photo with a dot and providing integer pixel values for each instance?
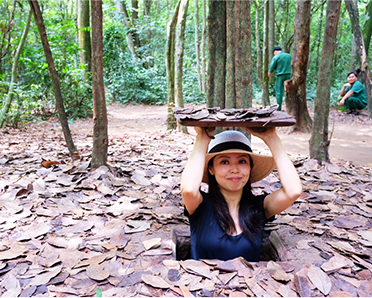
(271, 28)
(13, 81)
(100, 135)
(179, 49)
(137, 42)
(122, 9)
(319, 141)
(258, 45)
(147, 7)
(216, 54)
(230, 99)
(367, 28)
(6, 34)
(202, 46)
(265, 56)
(197, 48)
(296, 87)
(83, 20)
(34, 4)
(364, 66)
(243, 56)
(170, 67)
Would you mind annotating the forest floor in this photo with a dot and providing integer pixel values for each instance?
(351, 137)
(68, 230)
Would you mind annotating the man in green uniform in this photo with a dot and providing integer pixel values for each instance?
(353, 94)
(281, 63)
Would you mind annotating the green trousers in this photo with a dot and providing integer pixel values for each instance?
(354, 103)
(279, 88)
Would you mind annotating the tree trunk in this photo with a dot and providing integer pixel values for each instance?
(265, 56)
(258, 45)
(367, 28)
(6, 31)
(271, 29)
(243, 56)
(83, 20)
(13, 81)
(202, 46)
(122, 9)
(169, 61)
(318, 40)
(55, 80)
(197, 49)
(364, 66)
(230, 99)
(216, 54)
(319, 141)
(179, 49)
(100, 135)
(137, 42)
(147, 7)
(296, 87)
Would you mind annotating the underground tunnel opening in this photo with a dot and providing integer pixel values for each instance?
(272, 245)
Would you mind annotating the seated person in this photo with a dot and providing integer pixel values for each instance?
(353, 94)
(228, 221)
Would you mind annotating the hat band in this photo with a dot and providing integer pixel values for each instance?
(230, 145)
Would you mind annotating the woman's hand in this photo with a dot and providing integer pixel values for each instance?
(204, 132)
(264, 133)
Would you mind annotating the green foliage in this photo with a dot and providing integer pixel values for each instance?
(129, 81)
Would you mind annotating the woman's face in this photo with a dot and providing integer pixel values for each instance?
(231, 170)
(351, 79)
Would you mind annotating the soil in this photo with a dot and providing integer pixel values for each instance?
(351, 138)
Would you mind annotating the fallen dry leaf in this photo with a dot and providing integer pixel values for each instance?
(319, 279)
(155, 281)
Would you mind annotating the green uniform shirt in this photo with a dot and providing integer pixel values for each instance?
(359, 91)
(281, 63)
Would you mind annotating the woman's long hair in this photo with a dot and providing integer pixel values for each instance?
(250, 215)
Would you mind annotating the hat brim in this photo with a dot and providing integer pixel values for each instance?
(263, 165)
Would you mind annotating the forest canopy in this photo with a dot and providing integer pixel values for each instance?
(136, 73)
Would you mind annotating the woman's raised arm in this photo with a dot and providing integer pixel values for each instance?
(193, 173)
(291, 189)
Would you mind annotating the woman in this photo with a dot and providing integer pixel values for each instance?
(228, 221)
(353, 94)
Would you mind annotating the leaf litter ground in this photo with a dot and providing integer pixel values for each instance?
(68, 230)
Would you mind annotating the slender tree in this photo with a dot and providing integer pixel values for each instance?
(296, 87)
(170, 67)
(319, 141)
(265, 56)
(367, 28)
(202, 45)
(179, 50)
(354, 18)
(13, 81)
(196, 41)
(100, 135)
(216, 54)
(122, 10)
(258, 44)
(83, 21)
(271, 28)
(55, 80)
(6, 30)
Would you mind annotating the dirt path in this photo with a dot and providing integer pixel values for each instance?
(351, 141)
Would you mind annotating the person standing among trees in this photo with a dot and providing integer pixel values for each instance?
(353, 94)
(281, 64)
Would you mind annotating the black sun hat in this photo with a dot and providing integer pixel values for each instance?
(233, 141)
